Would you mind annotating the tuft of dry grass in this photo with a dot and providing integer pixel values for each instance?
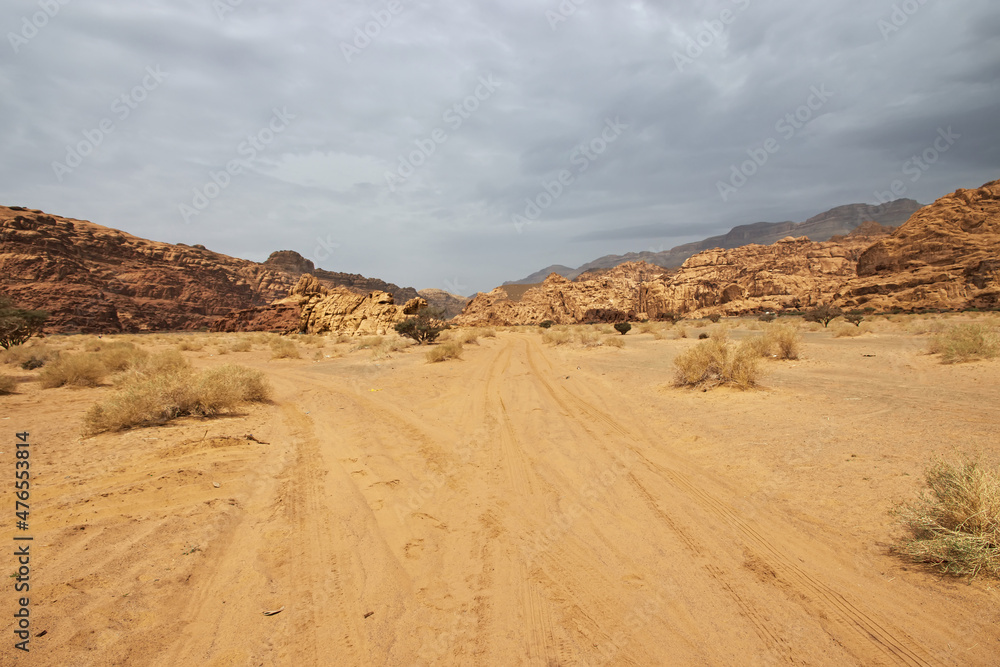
(449, 350)
(282, 348)
(966, 342)
(119, 356)
(191, 345)
(714, 362)
(74, 370)
(555, 336)
(779, 341)
(8, 383)
(955, 524)
(30, 355)
(488, 333)
(165, 392)
(590, 337)
(469, 337)
(241, 345)
(614, 341)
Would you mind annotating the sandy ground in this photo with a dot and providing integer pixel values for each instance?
(525, 505)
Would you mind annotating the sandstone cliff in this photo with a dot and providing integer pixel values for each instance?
(296, 265)
(561, 300)
(947, 255)
(449, 304)
(96, 279)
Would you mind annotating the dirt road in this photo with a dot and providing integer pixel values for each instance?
(524, 506)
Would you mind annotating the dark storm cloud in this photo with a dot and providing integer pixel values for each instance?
(695, 91)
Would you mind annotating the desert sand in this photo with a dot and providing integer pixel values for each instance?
(525, 505)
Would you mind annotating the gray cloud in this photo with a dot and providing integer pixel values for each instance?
(322, 182)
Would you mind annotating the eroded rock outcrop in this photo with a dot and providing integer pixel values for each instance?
(947, 255)
(561, 300)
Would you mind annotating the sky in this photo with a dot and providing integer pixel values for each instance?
(459, 145)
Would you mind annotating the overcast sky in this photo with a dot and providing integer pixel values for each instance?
(406, 153)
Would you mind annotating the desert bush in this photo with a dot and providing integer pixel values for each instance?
(668, 316)
(648, 327)
(545, 324)
(190, 345)
(29, 356)
(847, 331)
(17, 325)
(450, 350)
(703, 335)
(467, 337)
(614, 341)
(282, 348)
(680, 332)
(120, 355)
(767, 317)
(74, 370)
(8, 383)
(368, 342)
(714, 317)
(556, 337)
(160, 395)
(589, 337)
(714, 362)
(779, 341)
(966, 342)
(623, 327)
(823, 314)
(955, 524)
(424, 328)
(488, 333)
(855, 317)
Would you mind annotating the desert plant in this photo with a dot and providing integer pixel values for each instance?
(966, 342)
(424, 328)
(468, 337)
(614, 341)
(589, 337)
(714, 318)
(282, 348)
(8, 383)
(767, 317)
(17, 325)
(450, 350)
(955, 524)
(669, 316)
(623, 327)
(545, 324)
(824, 314)
(120, 355)
(855, 317)
(715, 362)
(29, 356)
(556, 337)
(489, 333)
(703, 335)
(74, 370)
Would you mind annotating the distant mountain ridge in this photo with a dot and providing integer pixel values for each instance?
(840, 220)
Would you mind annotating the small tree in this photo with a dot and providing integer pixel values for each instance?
(623, 327)
(855, 318)
(714, 317)
(17, 324)
(824, 313)
(424, 328)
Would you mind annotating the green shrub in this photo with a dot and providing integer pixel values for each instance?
(955, 525)
(855, 318)
(966, 342)
(715, 362)
(424, 328)
(823, 314)
(74, 370)
(17, 325)
(623, 327)
(545, 324)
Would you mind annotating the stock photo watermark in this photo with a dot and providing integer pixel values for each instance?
(365, 34)
(248, 150)
(562, 13)
(455, 116)
(223, 8)
(582, 157)
(787, 127)
(898, 17)
(323, 250)
(33, 24)
(919, 164)
(122, 107)
(712, 31)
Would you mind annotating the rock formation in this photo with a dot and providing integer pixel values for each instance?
(312, 307)
(561, 300)
(947, 255)
(296, 265)
(449, 304)
(95, 279)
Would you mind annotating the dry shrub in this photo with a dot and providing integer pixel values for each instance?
(191, 345)
(368, 342)
(779, 341)
(555, 336)
(466, 337)
(241, 345)
(955, 525)
(966, 342)
(8, 383)
(166, 392)
(312, 339)
(614, 341)
(282, 348)
(450, 350)
(680, 332)
(343, 338)
(74, 370)
(590, 337)
(488, 333)
(30, 355)
(120, 356)
(714, 362)
(648, 327)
